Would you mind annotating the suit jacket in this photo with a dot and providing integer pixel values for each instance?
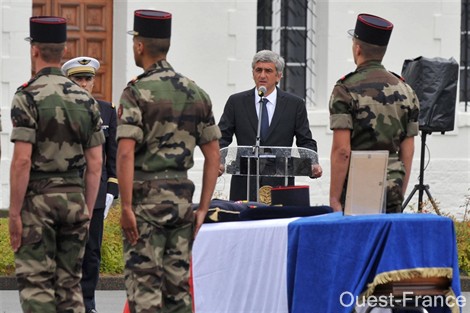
(109, 182)
(240, 119)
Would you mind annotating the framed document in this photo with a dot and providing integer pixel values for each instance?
(367, 183)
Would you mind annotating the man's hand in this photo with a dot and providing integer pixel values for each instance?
(199, 216)
(16, 231)
(317, 171)
(129, 226)
(335, 204)
(221, 169)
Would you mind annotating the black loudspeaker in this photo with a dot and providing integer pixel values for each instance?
(435, 82)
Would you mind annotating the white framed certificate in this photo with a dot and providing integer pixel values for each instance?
(367, 183)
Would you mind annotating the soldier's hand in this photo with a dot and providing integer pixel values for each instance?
(199, 216)
(335, 204)
(221, 169)
(16, 230)
(129, 226)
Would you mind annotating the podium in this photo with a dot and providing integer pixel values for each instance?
(267, 161)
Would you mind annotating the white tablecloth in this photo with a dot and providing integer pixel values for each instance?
(240, 267)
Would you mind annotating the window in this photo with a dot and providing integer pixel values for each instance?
(286, 27)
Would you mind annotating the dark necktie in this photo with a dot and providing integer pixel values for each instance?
(264, 120)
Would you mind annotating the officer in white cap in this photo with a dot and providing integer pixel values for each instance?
(82, 70)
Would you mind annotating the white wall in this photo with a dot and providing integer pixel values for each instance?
(421, 28)
(213, 43)
(15, 69)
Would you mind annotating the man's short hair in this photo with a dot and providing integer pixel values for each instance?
(370, 51)
(155, 46)
(271, 57)
(51, 52)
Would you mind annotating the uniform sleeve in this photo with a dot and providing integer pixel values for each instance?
(130, 117)
(110, 151)
(97, 138)
(303, 135)
(412, 128)
(340, 108)
(23, 119)
(209, 130)
(227, 124)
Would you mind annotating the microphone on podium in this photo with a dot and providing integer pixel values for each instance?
(262, 91)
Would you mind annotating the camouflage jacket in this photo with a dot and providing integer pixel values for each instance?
(58, 118)
(379, 108)
(167, 115)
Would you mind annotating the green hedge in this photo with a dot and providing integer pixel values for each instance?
(112, 262)
(111, 257)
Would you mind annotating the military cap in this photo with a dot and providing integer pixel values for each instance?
(372, 29)
(81, 66)
(47, 29)
(151, 24)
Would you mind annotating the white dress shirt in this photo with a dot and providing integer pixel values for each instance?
(270, 105)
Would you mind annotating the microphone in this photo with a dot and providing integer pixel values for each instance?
(262, 91)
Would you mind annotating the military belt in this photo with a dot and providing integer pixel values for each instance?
(166, 174)
(393, 156)
(35, 175)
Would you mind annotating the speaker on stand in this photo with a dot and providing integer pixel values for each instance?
(435, 82)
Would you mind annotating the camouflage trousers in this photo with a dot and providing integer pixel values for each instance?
(157, 267)
(48, 263)
(395, 176)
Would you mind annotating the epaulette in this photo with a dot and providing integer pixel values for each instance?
(398, 76)
(133, 81)
(23, 86)
(346, 76)
(136, 79)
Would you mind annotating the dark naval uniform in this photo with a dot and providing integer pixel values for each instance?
(108, 185)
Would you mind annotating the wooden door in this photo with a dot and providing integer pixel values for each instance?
(89, 33)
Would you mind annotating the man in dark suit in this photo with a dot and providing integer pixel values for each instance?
(287, 118)
(82, 71)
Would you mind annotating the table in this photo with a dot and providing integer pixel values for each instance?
(333, 254)
(304, 264)
(241, 267)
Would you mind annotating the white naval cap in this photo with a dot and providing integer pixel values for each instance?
(82, 66)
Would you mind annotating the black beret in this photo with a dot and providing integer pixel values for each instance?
(372, 29)
(152, 24)
(47, 29)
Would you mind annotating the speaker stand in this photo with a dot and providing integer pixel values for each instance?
(421, 187)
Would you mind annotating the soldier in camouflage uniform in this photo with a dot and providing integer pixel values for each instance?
(56, 131)
(372, 109)
(163, 116)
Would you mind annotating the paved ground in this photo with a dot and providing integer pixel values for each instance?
(107, 301)
(113, 302)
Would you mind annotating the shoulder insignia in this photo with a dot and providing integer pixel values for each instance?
(112, 105)
(120, 109)
(398, 76)
(133, 80)
(24, 85)
(346, 76)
